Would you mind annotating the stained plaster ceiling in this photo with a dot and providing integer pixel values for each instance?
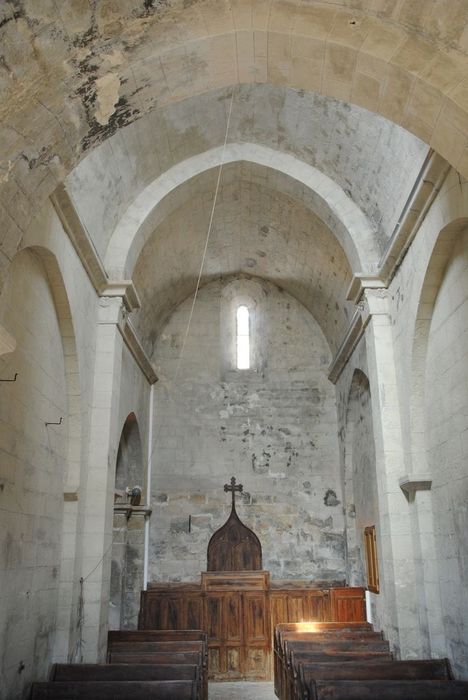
(73, 74)
(373, 161)
(150, 81)
(256, 231)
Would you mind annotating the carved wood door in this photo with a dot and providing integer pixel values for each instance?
(238, 635)
(236, 612)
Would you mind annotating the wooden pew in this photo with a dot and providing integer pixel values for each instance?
(328, 647)
(287, 628)
(115, 636)
(157, 657)
(389, 690)
(148, 647)
(433, 669)
(165, 657)
(122, 647)
(78, 673)
(334, 645)
(115, 690)
(124, 672)
(316, 630)
(295, 658)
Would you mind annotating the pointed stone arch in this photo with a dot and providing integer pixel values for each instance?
(346, 220)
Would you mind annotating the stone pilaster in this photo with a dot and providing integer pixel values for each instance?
(98, 520)
(397, 604)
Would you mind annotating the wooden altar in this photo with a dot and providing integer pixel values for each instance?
(238, 606)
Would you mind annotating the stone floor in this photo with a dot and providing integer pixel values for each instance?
(241, 691)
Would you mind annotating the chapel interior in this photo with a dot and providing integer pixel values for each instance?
(233, 244)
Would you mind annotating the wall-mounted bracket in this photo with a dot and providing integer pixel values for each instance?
(59, 423)
(10, 380)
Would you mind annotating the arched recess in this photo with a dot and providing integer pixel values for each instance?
(126, 580)
(40, 445)
(66, 638)
(359, 478)
(439, 406)
(318, 191)
(432, 281)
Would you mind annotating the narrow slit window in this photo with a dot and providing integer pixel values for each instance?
(243, 338)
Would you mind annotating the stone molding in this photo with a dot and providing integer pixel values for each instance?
(426, 188)
(133, 343)
(122, 291)
(87, 253)
(353, 336)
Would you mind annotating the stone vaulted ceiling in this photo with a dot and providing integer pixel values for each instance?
(335, 105)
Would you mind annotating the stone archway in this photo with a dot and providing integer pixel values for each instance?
(438, 408)
(128, 530)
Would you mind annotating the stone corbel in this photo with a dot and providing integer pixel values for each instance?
(410, 485)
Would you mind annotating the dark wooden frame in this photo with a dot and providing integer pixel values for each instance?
(370, 546)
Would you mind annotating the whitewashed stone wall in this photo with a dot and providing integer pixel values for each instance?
(429, 347)
(33, 467)
(446, 407)
(274, 429)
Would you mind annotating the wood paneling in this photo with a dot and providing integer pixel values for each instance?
(239, 611)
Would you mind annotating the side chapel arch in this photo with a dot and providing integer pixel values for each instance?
(126, 580)
(359, 478)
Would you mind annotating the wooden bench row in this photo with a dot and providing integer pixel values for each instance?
(115, 690)
(161, 646)
(141, 665)
(322, 642)
(354, 664)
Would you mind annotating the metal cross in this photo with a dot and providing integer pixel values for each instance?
(233, 488)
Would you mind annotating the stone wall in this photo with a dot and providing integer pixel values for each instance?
(33, 468)
(273, 427)
(446, 404)
(426, 310)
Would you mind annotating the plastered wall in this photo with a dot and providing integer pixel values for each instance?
(33, 465)
(446, 404)
(274, 428)
(427, 311)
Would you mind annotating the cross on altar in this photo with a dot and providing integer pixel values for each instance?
(233, 488)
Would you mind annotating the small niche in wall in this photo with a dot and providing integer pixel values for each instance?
(370, 545)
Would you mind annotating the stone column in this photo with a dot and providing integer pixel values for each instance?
(99, 495)
(397, 604)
